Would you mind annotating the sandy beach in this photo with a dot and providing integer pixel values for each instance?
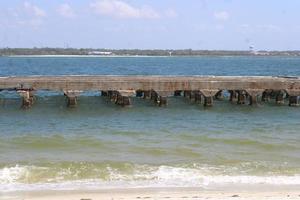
(157, 194)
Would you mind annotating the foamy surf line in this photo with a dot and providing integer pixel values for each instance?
(22, 178)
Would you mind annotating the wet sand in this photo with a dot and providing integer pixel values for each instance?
(157, 194)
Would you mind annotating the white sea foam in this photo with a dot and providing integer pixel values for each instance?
(17, 179)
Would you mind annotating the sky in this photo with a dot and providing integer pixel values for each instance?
(151, 24)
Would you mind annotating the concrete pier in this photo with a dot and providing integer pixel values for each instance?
(160, 87)
(293, 101)
(123, 97)
(71, 98)
(198, 97)
(160, 97)
(146, 94)
(253, 95)
(208, 101)
(209, 96)
(266, 95)
(241, 97)
(233, 95)
(280, 97)
(27, 98)
(187, 93)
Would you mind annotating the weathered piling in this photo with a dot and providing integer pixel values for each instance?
(208, 97)
(208, 101)
(266, 95)
(187, 93)
(160, 97)
(198, 97)
(123, 97)
(253, 95)
(233, 96)
(241, 97)
(146, 94)
(293, 101)
(27, 98)
(279, 97)
(71, 96)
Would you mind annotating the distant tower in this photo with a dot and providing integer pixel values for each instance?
(170, 53)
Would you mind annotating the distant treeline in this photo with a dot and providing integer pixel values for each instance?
(139, 52)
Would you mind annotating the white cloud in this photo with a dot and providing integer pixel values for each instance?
(121, 9)
(33, 10)
(66, 11)
(221, 15)
(26, 14)
(170, 13)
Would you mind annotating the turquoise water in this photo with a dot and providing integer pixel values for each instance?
(101, 145)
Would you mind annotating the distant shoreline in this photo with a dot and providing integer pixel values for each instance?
(70, 52)
(83, 56)
(136, 56)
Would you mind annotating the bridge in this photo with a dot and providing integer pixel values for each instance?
(120, 89)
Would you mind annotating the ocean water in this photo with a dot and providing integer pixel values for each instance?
(100, 145)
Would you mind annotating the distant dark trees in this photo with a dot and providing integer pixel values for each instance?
(140, 52)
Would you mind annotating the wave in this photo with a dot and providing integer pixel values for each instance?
(106, 176)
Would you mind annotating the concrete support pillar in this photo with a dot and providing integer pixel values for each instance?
(219, 95)
(27, 98)
(161, 97)
(266, 96)
(293, 101)
(208, 101)
(208, 97)
(71, 101)
(241, 97)
(280, 97)
(123, 97)
(112, 95)
(253, 100)
(177, 93)
(71, 98)
(253, 96)
(233, 95)
(274, 93)
(198, 97)
(187, 93)
(147, 94)
(153, 95)
(162, 101)
(192, 95)
(123, 100)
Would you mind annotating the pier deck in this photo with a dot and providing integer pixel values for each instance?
(159, 87)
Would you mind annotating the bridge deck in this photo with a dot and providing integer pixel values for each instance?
(157, 83)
